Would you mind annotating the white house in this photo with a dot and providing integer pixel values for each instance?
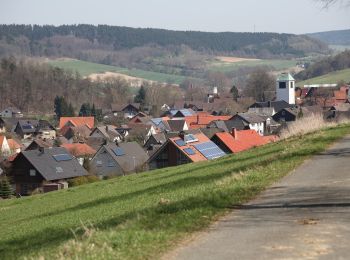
(285, 88)
(11, 112)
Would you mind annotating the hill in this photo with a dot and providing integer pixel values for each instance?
(141, 216)
(340, 37)
(51, 40)
(330, 78)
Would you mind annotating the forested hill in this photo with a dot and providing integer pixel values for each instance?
(341, 37)
(47, 40)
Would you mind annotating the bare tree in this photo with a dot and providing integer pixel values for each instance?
(259, 83)
(328, 3)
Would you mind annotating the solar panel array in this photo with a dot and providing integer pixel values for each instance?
(27, 127)
(118, 151)
(180, 142)
(189, 151)
(186, 112)
(209, 150)
(62, 157)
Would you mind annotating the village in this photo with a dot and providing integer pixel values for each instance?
(39, 157)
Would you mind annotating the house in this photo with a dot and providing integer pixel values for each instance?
(80, 151)
(108, 132)
(140, 132)
(254, 121)
(39, 144)
(238, 141)
(11, 112)
(46, 169)
(117, 160)
(286, 115)
(185, 148)
(202, 120)
(76, 121)
(176, 125)
(179, 113)
(35, 128)
(76, 133)
(128, 110)
(269, 107)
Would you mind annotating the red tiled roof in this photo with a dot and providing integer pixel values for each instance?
(78, 149)
(197, 157)
(2, 138)
(244, 140)
(11, 158)
(13, 144)
(340, 95)
(200, 120)
(78, 121)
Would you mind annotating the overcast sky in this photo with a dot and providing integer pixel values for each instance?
(289, 16)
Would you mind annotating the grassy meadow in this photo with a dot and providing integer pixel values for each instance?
(333, 77)
(86, 68)
(143, 216)
(227, 66)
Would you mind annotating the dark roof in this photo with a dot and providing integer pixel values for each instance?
(160, 138)
(277, 105)
(134, 155)
(238, 124)
(251, 117)
(39, 143)
(48, 167)
(176, 125)
(211, 131)
(121, 107)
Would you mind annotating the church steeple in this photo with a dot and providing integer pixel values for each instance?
(285, 88)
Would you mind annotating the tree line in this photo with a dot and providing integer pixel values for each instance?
(38, 39)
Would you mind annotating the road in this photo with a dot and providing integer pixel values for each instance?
(306, 215)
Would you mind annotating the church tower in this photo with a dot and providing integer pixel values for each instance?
(285, 88)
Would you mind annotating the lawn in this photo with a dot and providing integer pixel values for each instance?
(142, 216)
(333, 77)
(86, 68)
(226, 67)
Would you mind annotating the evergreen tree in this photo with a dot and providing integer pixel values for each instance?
(5, 188)
(70, 111)
(58, 107)
(141, 95)
(85, 110)
(93, 110)
(234, 92)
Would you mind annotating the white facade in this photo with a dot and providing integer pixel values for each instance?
(257, 127)
(285, 88)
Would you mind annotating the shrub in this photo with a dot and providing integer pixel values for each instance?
(82, 180)
(5, 188)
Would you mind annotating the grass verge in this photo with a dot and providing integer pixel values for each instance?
(143, 216)
(333, 77)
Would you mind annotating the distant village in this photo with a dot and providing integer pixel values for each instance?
(37, 156)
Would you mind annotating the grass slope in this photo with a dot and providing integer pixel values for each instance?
(86, 68)
(277, 64)
(333, 77)
(142, 216)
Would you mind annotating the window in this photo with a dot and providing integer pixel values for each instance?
(282, 85)
(98, 163)
(32, 172)
(110, 164)
(59, 169)
(291, 84)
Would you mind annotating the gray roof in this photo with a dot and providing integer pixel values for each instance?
(134, 155)
(251, 117)
(176, 125)
(109, 131)
(51, 169)
(277, 105)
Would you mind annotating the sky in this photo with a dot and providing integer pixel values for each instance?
(283, 16)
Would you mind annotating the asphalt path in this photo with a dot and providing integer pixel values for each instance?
(306, 215)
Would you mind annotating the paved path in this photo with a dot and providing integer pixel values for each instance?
(304, 216)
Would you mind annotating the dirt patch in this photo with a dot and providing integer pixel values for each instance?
(229, 59)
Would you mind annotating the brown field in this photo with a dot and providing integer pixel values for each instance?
(134, 81)
(230, 59)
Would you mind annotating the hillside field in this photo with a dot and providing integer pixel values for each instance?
(87, 68)
(143, 216)
(333, 77)
(224, 66)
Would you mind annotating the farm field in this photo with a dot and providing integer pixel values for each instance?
(333, 77)
(142, 216)
(87, 68)
(225, 66)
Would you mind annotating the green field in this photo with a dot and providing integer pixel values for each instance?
(86, 68)
(333, 77)
(226, 67)
(142, 216)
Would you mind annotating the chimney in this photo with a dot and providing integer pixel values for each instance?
(106, 128)
(182, 135)
(41, 150)
(269, 103)
(197, 119)
(234, 133)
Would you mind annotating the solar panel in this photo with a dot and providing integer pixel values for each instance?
(156, 121)
(59, 169)
(209, 150)
(190, 138)
(62, 157)
(26, 127)
(189, 151)
(118, 151)
(180, 142)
